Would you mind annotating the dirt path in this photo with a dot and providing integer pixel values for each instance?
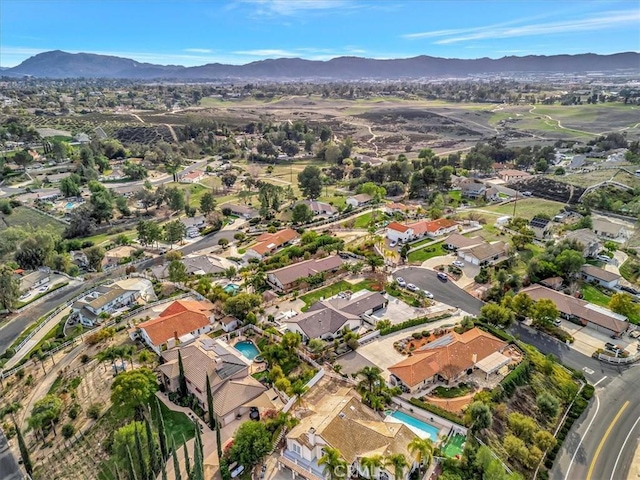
(172, 131)
(558, 123)
(137, 117)
(368, 127)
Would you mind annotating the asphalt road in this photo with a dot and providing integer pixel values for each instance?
(14, 327)
(602, 442)
(445, 292)
(9, 469)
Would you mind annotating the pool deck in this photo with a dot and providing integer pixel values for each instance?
(442, 430)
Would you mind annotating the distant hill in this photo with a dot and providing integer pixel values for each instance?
(58, 64)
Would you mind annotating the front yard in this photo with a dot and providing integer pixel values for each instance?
(333, 289)
(427, 253)
(591, 294)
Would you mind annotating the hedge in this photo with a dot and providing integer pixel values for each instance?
(518, 376)
(412, 323)
(441, 412)
(502, 335)
(580, 404)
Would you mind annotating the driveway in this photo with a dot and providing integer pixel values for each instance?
(588, 340)
(468, 272)
(446, 292)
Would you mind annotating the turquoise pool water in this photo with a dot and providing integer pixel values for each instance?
(231, 288)
(248, 349)
(410, 421)
(69, 205)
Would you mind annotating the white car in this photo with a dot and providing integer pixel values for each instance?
(393, 244)
(604, 258)
(458, 263)
(25, 295)
(400, 281)
(428, 294)
(44, 288)
(412, 287)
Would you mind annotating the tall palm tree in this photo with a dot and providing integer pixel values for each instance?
(371, 464)
(422, 448)
(334, 466)
(372, 379)
(398, 462)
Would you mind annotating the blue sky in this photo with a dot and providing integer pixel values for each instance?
(190, 32)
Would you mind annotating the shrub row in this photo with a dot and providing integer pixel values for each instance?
(517, 377)
(441, 412)
(579, 406)
(502, 335)
(412, 323)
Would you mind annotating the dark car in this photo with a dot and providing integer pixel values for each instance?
(632, 290)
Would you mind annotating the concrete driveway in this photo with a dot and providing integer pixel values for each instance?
(444, 291)
(468, 272)
(588, 340)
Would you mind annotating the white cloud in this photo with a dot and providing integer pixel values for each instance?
(601, 21)
(295, 7)
(266, 52)
(198, 50)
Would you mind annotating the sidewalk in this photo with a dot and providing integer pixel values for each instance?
(40, 334)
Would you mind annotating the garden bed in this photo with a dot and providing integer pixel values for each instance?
(459, 390)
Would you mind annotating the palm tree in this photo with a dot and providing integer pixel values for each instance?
(372, 379)
(374, 261)
(334, 466)
(371, 465)
(399, 463)
(422, 448)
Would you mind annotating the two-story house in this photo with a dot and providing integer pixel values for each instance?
(103, 300)
(343, 422)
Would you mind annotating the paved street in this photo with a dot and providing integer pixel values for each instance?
(14, 327)
(445, 292)
(602, 442)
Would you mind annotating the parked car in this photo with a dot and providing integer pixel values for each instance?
(393, 244)
(604, 258)
(443, 276)
(428, 294)
(458, 263)
(628, 289)
(25, 295)
(44, 288)
(412, 287)
(237, 471)
(557, 322)
(400, 281)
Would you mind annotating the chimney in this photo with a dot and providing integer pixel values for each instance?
(312, 436)
(474, 358)
(175, 336)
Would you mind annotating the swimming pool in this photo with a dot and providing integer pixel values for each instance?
(247, 349)
(415, 424)
(69, 205)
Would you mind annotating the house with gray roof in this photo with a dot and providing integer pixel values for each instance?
(589, 241)
(327, 318)
(34, 280)
(599, 276)
(287, 278)
(104, 299)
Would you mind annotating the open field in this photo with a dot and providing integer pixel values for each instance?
(26, 217)
(527, 208)
(597, 176)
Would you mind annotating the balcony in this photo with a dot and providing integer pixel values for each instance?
(314, 472)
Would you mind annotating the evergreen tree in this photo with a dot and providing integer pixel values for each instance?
(187, 463)
(132, 467)
(182, 380)
(164, 471)
(176, 463)
(162, 435)
(212, 414)
(144, 472)
(155, 461)
(24, 452)
(218, 441)
(197, 473)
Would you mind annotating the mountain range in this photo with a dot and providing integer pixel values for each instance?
(59, 64)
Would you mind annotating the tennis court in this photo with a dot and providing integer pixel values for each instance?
(454, 446)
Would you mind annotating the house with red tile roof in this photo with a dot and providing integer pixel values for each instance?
(270, 242)
(449, 358)
(192, 177)
(180, 322)
(398, 232)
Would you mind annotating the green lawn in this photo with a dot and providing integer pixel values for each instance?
(331, 290)
(25, 217)
(593, 295)
(177, 425)
(427, 253)
(451, 392)
(527, 208)
(363, 221)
